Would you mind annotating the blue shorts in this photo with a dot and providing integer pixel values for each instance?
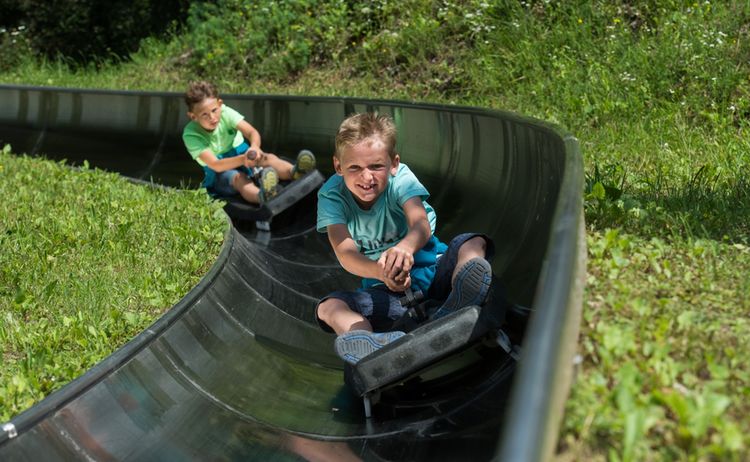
(382, 307)
(223, 183)
(220, 183)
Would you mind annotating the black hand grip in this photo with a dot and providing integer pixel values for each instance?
(411, 297)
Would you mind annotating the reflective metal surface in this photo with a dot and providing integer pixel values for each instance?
(238, 370)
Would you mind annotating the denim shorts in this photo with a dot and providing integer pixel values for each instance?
(220, 183)
(223, 183)
(382, 307)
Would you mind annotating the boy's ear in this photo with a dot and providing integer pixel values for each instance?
(337, 165)
(394, 164)
(191, 116)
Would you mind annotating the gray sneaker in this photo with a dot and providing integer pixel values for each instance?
(356, 344)
(305, 163)
(269, 184)
(471, 287)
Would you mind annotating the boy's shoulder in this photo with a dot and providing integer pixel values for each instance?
(230, 113)
(192, 128)
(403, 169)
(404, 175)
(332, 185)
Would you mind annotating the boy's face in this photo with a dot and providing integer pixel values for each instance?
(207, 113)
(366, 168)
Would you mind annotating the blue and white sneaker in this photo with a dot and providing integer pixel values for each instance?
(354, 345)
(471, 287)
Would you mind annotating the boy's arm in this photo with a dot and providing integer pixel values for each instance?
(221, 165)
(396, 262)
(250, 133)
(348, 254)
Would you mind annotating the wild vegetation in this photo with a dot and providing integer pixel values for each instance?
(659, 96)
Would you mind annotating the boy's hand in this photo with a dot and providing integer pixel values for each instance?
(395, 263)
(254, 156)
(398, 284)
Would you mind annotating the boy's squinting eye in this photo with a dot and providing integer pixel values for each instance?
(372, 168)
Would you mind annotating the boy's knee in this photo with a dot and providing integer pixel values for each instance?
(476, 243)
(268, 159)
(327, 307)
(237, 182)
(241, 182)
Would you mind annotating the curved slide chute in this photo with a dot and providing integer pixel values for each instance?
(238, 369)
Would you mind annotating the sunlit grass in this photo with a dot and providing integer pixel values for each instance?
(665, 345)
(89, 260)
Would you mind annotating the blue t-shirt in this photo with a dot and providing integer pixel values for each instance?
(384, 224)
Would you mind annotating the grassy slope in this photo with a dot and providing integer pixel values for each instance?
(89, 260)
(659, 99)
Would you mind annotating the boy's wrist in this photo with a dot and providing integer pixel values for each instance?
(407, 248)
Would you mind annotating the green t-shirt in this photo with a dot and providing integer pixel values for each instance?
(383, 225)
(223, 138)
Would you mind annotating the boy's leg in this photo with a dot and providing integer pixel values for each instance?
(352, 315)
(476, 247)
(283, 167)
(471, 274)
(232, 182)
(247, 189)
(339, 317)
(305, 163)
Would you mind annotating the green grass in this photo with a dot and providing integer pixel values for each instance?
(89, 260)
(658, 94)
(665, 344)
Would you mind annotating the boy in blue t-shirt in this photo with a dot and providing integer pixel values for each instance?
(381, 228)
(216, 138)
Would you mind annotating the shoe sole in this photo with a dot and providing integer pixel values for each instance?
(305, 163)
(471, 287)
(354, 345)
(269, 181)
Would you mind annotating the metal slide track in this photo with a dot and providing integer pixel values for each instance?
(238, 369)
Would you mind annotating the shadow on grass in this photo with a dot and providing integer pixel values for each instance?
(696, 210)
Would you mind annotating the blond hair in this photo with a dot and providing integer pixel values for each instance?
(360, 127)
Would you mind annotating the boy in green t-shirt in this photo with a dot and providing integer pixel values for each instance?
(216, 138)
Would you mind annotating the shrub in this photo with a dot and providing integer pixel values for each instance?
(14, 46)
(276, 40)
(85, 30)
(264, 39)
